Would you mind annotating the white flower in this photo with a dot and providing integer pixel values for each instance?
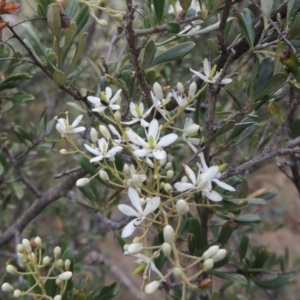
(190, 129)
(137, 111)
(182, 101)
(203, 182)
(153, 147)
(158, 100)
(64, 127)
(135, 180)
(102, 151)
(106, 100)
(138, 212)
(150, 265)
(208, 77)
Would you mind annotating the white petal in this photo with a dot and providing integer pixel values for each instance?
(94, 100)
(115, 97)
(183, 186)
(192, 128)
(141, 152)
(204, 78)
(100, 108)
(97, 158)
(189, 172)
(152, 205)
(133, 121)
(127, 210)
(159, 154)
(224, 185)
(128, 229)
(212, 195)
(206, 67)
(210, 173)
(92, 150)
(78, 129)
(144, 123)
(167, 140)
(115, 150)
(203, 162)
(134, 138)
(108, 92)
(153, 129)
(77, 121)
(135, 199)
(149, 162)
(114, 106)
(154, 269)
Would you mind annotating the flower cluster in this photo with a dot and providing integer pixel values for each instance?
(30, 255)
(156, 197)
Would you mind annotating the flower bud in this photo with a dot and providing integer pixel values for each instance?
(82, 182)
(58, 282)
(27, 245)
(103, 175)
(168, 166)
(57, 252)
(57, 297)
(134, 248)
(177, 272)
(11, 269)
(222, 167)
(38, 241)
(211, 251)
(17, 293)
(170, 174)
(118, 17)
(220, 255)
(137, 239)
(180, 88)
(32, 257)
(192, 89)
(105, 132)
(143, 201)
(6, 287)
(94, 135)
(102, 22)
(46, 260)
(156, 254)
(151, 287)
(59, 263)
(166, 249)
(65, 276)
(157, 90)
(169, 234)
(117, 116)
(67, 264)
(162, 184)
(125, 247)
(168, 188)
(184, 179)
(182, 207)
(63, 151)
(20, 248)
(208, 264)
(22, 257)
(126, 169)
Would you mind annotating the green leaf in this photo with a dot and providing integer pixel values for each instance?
(175, 52)
(226, 127)
(70, 33)
(51, 286)
(54, 20)
(59, 77)
(76, 73)
(107, 292)
(231, 277)
(243, 219)
(243, 247)
(45, 3)
(71, 9)
(82, 18)
(264, 74)
(21, 97)
(12, 81)
(274, 283)
(294, 29)
(213, 46)
(79, 50)
(22, 134)
(148, 55)
(86, 165)
(7, 106)
(173, 27)
(159, 6)
(225, 233)
(31, 280)
(272, 85)
(266, 6)
(238, 130)
(247, 26)
(185, 4)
